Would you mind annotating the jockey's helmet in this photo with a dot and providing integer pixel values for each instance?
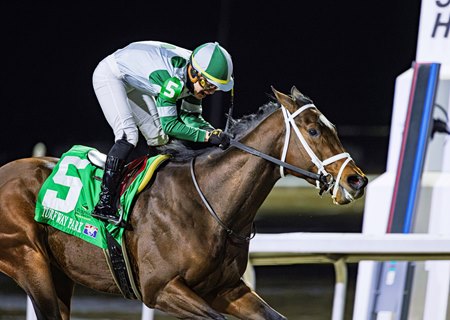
(214, 63)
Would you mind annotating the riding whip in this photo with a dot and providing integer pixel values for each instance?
(230, 111)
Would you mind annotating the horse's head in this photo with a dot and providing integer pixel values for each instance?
(310, 136)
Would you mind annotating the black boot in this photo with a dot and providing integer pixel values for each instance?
(106, 208)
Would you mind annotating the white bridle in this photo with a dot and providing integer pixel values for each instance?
(289, 120)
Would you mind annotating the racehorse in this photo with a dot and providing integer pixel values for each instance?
(186, 261)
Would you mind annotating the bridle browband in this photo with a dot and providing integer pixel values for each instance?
(324, 180)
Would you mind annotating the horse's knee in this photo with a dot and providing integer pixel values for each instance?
(64, 290)
(179, 300)
(242, 302)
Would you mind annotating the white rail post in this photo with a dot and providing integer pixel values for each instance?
(39, 150)
(147, 313)
(340, 289)
(31, 315)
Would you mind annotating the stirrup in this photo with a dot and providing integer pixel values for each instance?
(114, 219)
(104, 216)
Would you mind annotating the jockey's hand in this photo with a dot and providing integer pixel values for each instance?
(219, 138)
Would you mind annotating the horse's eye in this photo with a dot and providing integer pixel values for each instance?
(313, 132)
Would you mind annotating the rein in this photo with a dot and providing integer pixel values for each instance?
(230, 232)
(321, 177)
(316, 176)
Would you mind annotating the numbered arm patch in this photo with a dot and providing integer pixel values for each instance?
(167, 110)
(170, 92)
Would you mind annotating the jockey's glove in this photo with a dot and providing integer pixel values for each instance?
(219, 138)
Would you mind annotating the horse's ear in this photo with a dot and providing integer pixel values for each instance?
(296, 93)
(285, 100)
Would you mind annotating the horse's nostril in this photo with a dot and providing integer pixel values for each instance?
(357, 182)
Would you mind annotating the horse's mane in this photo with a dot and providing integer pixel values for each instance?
(243, 125)
(185, 150)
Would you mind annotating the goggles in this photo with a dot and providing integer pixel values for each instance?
(206, 85)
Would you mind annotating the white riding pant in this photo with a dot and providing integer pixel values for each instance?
(126, 109)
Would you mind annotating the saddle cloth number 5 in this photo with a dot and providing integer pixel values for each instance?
(51, 200)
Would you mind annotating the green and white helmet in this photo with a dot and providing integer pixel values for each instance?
(214, 63)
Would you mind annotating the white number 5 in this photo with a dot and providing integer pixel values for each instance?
(75, 185)
(170, 92)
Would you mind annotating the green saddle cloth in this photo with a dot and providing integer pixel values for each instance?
(70, 193)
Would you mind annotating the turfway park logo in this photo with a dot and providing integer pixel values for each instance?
(90, 230)
(63, 220)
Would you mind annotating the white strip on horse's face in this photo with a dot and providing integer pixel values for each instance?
(326, 122)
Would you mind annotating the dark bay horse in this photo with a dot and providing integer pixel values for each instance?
(185, 263)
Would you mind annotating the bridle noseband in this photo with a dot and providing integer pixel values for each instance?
(324, 180)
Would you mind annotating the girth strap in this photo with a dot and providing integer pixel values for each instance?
(119, 267)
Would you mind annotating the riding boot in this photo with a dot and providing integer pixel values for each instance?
(106, 208)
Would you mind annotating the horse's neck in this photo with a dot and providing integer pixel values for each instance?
(239, 181)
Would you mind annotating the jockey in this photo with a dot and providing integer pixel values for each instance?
(138, 88)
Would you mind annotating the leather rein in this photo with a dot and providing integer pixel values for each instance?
(229, 231)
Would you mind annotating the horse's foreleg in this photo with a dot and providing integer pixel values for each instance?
(64, 290)
(179, 300)
(25, 261)
(243, 303)
(36, 279)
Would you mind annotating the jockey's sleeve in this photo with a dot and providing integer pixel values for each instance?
(167, 110)
(191, 114)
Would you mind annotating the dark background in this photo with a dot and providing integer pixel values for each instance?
(345, 55)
